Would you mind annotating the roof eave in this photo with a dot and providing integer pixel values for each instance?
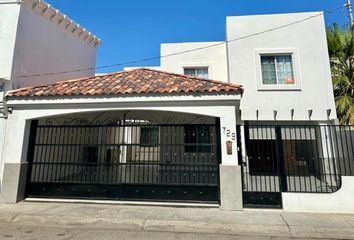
(210, 98)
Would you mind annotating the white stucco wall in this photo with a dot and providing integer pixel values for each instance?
(9, 14)
(214, 58)
(338, 202)
(306, 40)
(42, 46)
(17, 131)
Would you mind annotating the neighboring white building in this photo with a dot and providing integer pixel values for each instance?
(38, 39)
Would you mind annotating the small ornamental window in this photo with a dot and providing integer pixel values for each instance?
(197, 138)
(149, 136)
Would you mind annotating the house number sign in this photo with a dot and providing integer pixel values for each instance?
(228, 133)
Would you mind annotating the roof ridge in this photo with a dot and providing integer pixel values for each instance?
(190, 77)
(88, 78)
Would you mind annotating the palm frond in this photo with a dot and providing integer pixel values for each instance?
(341, 51)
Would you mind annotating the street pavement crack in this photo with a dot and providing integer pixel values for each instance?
(13, 217)
(146, 219)
(287, 225)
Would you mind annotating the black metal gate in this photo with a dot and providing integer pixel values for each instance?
(261, 169)
(294, 158)
(124, 160)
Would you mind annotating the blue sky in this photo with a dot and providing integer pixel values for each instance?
(134, 29)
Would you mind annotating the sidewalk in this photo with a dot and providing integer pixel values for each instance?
(181, 220)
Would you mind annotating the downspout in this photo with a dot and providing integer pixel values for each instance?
(227, 58)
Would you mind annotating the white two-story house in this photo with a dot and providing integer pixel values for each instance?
(261, 133)
(283, 65)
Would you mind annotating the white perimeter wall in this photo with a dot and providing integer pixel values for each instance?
(17, 131)
(341, 201)
(214, 58)
(42, 46)
(308, 41)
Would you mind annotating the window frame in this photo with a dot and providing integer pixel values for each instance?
(274, 53)
(195, 68)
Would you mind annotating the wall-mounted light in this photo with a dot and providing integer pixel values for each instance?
(275, 113)
(257, 114)
(329, 113)
(310, 113)
(292, 111)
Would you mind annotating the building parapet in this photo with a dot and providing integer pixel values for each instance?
(55, 16)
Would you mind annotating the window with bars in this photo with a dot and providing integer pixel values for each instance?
(198, 137)
(149, 136)
(197, 72)
(277, 69)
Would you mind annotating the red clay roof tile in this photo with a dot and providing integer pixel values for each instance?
(138, 81)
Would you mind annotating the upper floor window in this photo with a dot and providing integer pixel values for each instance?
(197, 72)
(277, 69)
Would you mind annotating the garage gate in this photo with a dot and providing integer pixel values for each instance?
(124, 160)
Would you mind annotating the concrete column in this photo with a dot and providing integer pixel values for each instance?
(14, 165)
(14, 182)
(228, 134)
(230, 172)
(231, 187)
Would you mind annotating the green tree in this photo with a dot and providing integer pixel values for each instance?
(341, 52)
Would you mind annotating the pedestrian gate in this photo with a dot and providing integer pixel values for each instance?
(306, 159)
(124, 160)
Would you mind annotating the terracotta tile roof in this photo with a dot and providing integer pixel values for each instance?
(138, 81)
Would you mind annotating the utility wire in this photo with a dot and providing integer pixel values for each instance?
(177, 53)
(5, 3)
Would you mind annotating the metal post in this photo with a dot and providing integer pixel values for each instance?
(349, 6)
(280, 160)
(30, 153)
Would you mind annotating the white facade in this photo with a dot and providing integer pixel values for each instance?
(306, 42)
(309, 100)
(220, 105)
(302, 35)
(213, 57)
